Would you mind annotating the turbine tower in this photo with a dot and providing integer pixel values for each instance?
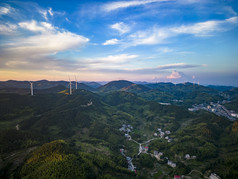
(76, 83)
(31, 88)
(70, 88)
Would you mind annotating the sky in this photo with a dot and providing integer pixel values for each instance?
(136, 40)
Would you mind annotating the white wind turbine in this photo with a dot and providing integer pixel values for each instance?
(31, 83)
(70, 88)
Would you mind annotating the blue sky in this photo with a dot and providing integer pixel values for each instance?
(136, 40)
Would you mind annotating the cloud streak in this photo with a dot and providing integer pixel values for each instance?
(111, 42)
(113, 67)
(126, 4)
(158, 35)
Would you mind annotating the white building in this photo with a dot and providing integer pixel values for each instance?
(17, 127)
(187, 156)
(161, 153)
(167, 132)
(172, 164)
(161, 134)
(214, 176)
(170, 140)
(234, 115)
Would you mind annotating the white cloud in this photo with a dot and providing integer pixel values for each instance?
(50, 11)
(112, 59)
(7, 28)
(37, 26)
(44, 40)
(174, 75)
(111, 62)
(5, 10)
(121, 27)
(44, 44)
(118, 58)
(111, 42)
(125, 4)
(43, 14)
(158, 35)
(148, 37)
(206, 28)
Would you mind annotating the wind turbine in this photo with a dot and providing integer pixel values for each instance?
(31, 88)
(76, 83)
(193, 80)
(70, 88)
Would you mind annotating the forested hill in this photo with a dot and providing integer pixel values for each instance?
(45, 84)
(57, 135)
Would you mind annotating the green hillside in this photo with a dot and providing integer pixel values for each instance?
(56, 135)
(114, 86)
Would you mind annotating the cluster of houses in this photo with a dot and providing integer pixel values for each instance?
(216, 108)
(126, 128)
(144, 149)
(162, 134)
(214, 176)
(171, 164)
(187, 157)
(131, 167)
(158, 154)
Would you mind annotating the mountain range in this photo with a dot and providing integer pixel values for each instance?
(53, 134)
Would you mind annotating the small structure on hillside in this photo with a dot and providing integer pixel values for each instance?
(172, 164)
(170, 140)
(17, 127)
(187, 156)
(214, 176)
(167, 132)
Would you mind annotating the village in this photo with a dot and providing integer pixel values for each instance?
(144, 148)
(215, 108)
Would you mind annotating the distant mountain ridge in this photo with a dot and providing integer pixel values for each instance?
(114, 86)
(166, 92)
(45, 84)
